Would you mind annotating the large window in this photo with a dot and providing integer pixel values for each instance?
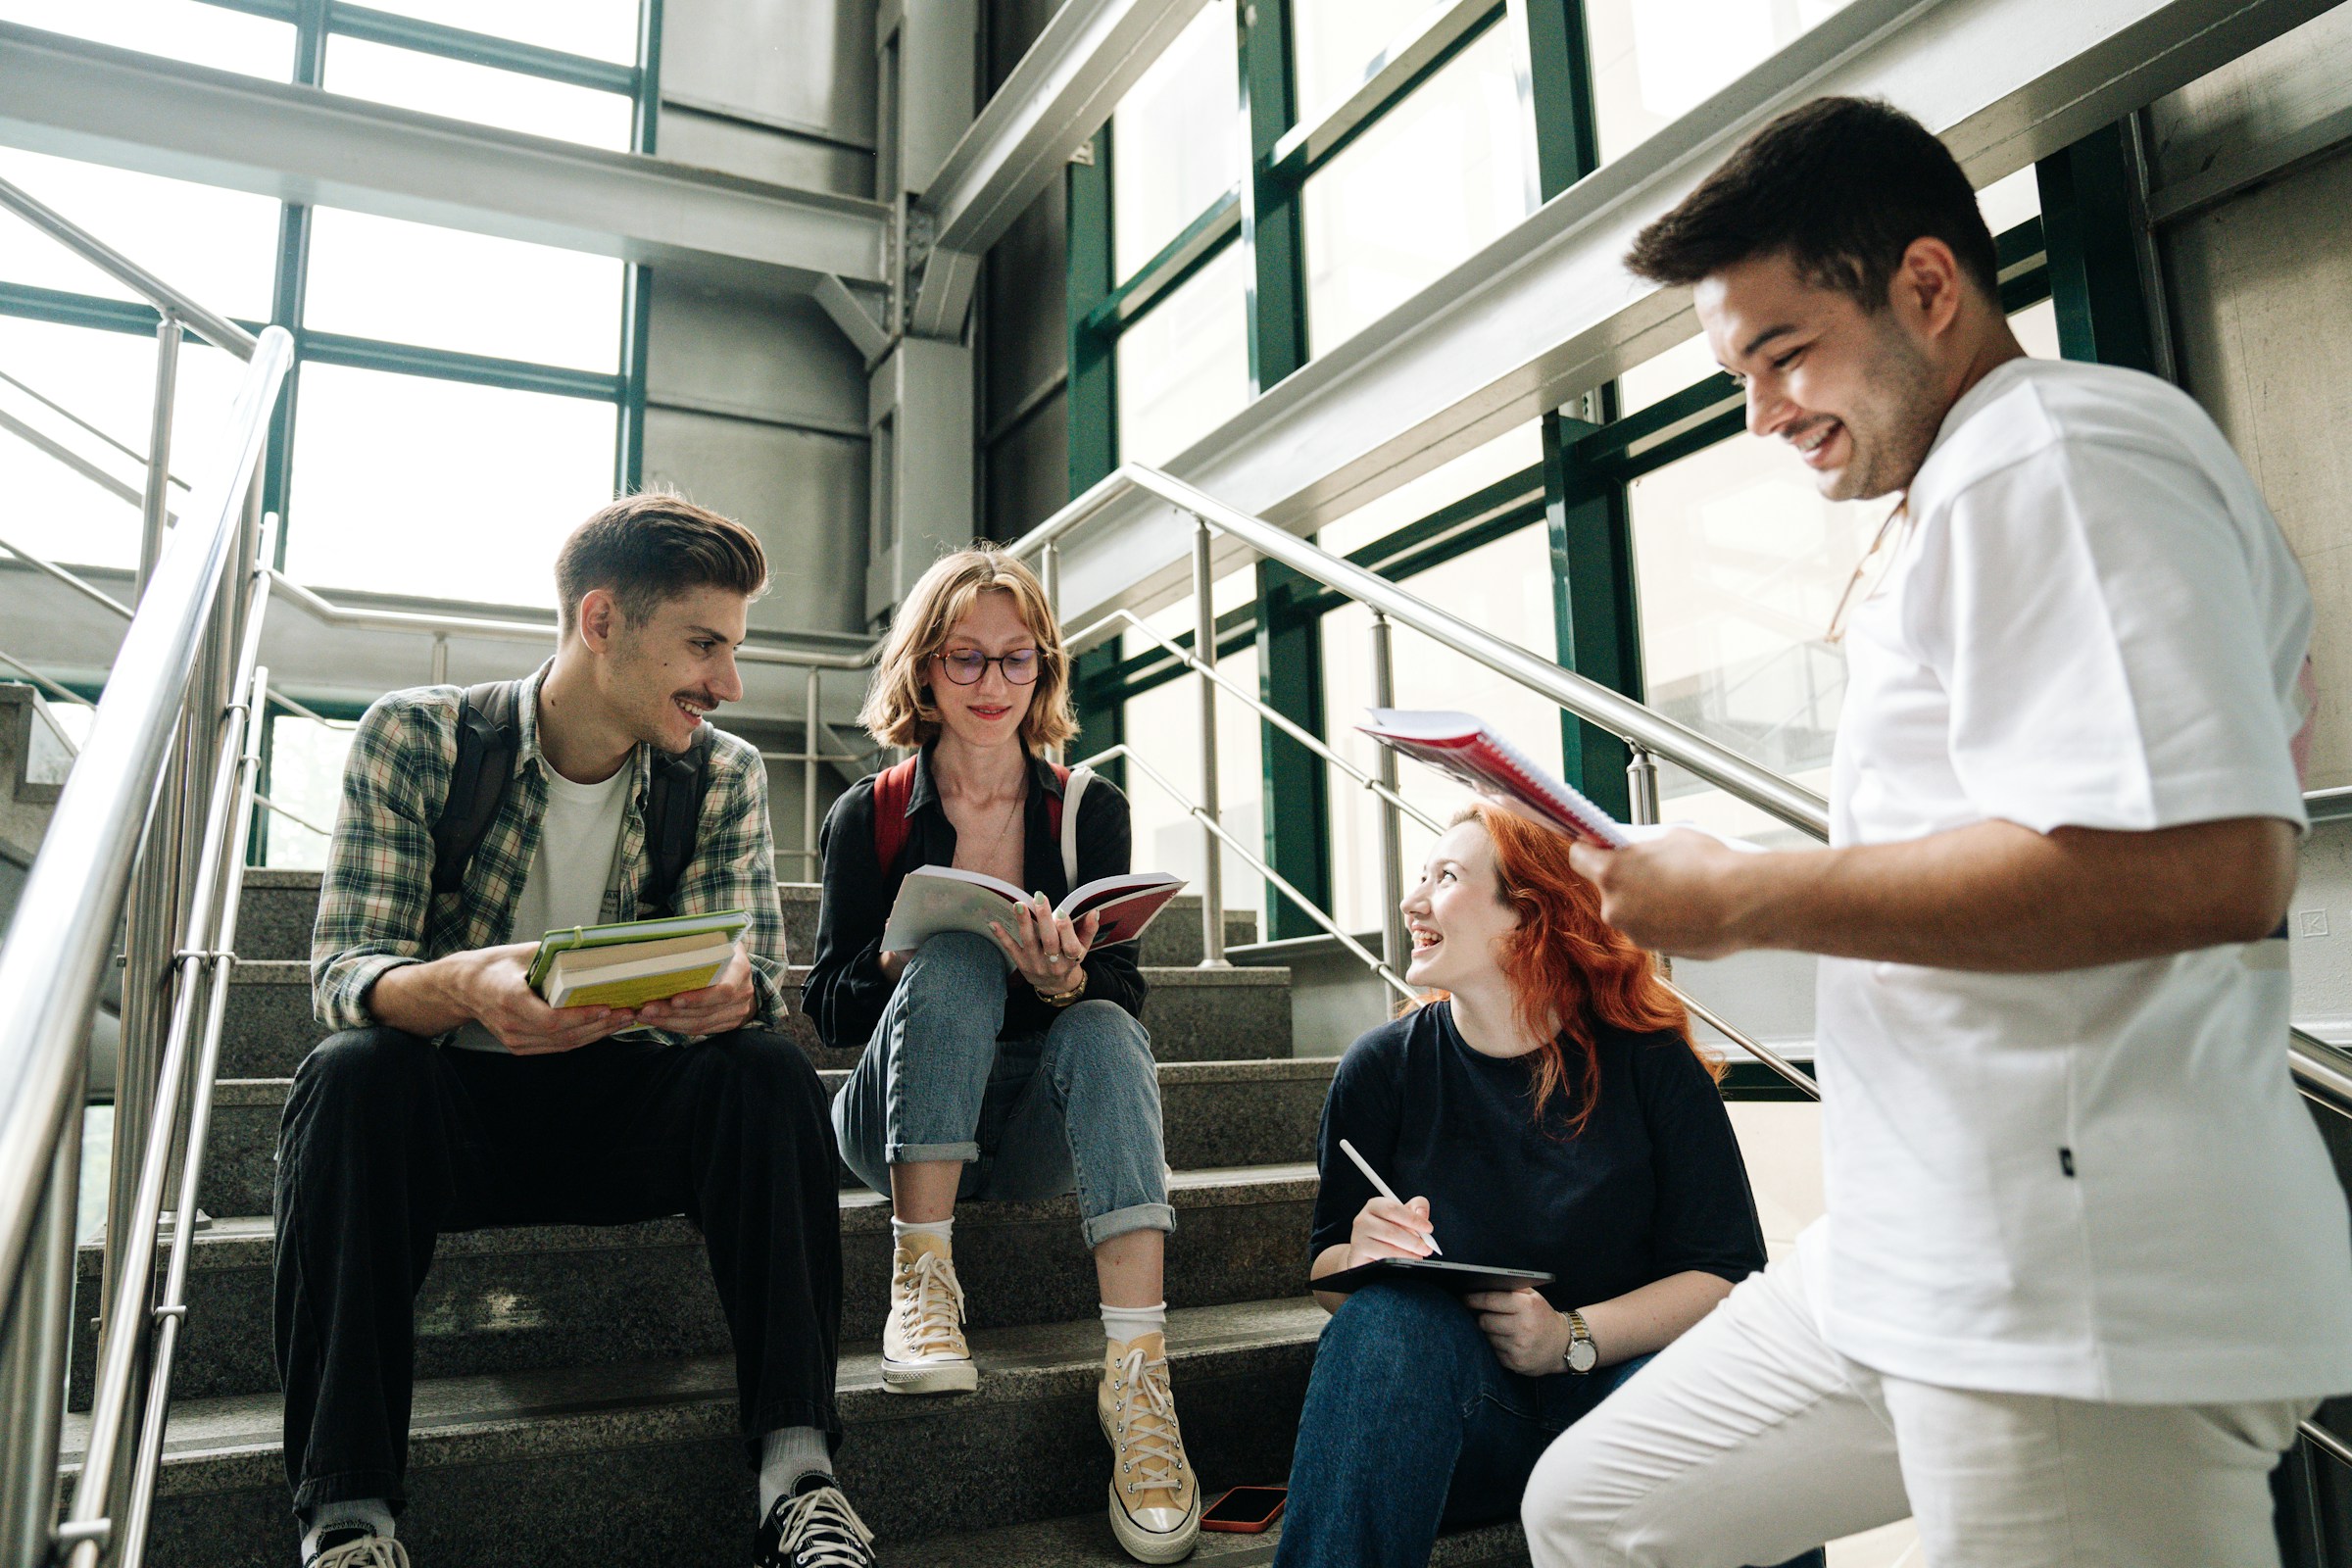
(1183, 369)
(1176, 140)
(411, 484)
(456, 403)
(1653, 61)
(1431, 182)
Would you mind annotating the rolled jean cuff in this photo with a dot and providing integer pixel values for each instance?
(1101, 1228)
(918, 1154)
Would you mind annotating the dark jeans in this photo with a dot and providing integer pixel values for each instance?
(1411, 1426)
(389, 1140)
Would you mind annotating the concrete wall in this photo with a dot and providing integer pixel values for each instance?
(2261, 301)
(757, 403)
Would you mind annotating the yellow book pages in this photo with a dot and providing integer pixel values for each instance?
(645, 988)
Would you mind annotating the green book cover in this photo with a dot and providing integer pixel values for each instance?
(729, 923)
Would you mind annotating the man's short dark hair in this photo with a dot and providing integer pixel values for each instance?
(1840, 186)
(648, 548)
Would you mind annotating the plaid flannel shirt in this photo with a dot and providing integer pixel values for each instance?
(377, 909)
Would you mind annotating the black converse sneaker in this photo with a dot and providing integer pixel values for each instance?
(814, 1527)
(357, 1546)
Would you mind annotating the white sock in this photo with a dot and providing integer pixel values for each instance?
(943, 1229)
(373, 1513)
(786, 1454)
(1122, 1325)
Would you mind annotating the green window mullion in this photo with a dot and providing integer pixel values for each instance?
(1584, 504)
(1094, 406)
(1290, 640)
(1593, 605)
(2104, 311)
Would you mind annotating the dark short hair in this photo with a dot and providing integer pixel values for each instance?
(1840, 186)
(651, 546)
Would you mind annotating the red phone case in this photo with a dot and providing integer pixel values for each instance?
(1246, 1527)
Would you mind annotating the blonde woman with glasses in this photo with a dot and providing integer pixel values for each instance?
(980, 1082)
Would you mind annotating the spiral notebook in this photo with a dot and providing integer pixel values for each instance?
(1462, 746)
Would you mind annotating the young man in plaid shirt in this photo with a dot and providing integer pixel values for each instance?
(452, 1098)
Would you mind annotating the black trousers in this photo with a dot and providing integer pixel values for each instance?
(390, 1141)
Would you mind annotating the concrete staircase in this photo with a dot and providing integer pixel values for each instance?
(575, 1401)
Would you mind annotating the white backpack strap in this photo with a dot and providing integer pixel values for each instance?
(1072, 793)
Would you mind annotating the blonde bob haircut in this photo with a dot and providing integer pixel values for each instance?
(898, 710)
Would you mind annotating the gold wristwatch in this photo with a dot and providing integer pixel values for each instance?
(1582, 1355)
(1062, 998)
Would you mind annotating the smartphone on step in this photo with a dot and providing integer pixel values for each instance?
(1245, 1510)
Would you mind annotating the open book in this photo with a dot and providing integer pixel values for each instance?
(940, 897)
(1461, 744)
(634, 962)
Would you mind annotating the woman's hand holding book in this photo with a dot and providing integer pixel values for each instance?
(1050, 950)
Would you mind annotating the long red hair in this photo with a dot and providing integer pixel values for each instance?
(1567, 967)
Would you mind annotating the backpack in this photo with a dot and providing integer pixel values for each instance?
(490, 737)
(894, 787)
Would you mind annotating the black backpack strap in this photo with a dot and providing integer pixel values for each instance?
(489, 739)
(673, 808)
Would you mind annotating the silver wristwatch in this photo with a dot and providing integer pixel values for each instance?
(1582, 1355)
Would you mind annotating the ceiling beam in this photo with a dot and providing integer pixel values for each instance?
(119, 107)
(1063, 91)
(1548, 311)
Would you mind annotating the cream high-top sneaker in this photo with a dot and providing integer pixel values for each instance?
(923, 1349)
(1154, 1496)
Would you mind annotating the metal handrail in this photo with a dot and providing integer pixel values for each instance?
(120, 795)
(1249, 858)
(1588, 699)
(217, 330)
(202, 955)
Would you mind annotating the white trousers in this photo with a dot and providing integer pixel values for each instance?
(1750, 1440)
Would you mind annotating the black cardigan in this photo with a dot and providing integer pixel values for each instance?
(846, 991)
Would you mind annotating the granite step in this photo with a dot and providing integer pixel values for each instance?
(1085, 1541)
(279, 908)
(1193, 1015)
(1214, 1113)
(539, 1298)
(642, 1463)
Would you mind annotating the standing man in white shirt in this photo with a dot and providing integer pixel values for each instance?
(2086, 1262)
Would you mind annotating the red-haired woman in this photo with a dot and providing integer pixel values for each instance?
(1551, 1114)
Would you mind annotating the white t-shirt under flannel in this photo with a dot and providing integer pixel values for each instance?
(2098, 1184)
(580, 839)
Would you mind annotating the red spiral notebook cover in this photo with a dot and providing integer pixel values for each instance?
(1462, 746)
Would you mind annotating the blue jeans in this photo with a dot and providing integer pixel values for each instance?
(1074, 1109)
(1411, 1426)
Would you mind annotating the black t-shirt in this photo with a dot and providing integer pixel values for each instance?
(1653, 1186)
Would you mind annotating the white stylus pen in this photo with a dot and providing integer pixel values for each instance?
(1386, 1190)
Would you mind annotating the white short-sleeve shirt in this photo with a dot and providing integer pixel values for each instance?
(2098, 1184)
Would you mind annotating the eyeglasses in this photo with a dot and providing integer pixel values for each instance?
(1870, 573)
(966, 665)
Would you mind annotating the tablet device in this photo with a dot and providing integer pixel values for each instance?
(1460, 1278)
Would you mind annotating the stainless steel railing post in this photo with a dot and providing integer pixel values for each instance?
(152, 505)
(1212, 850)
(813, 723)
(1396, 946)
(1641, 786)
(33, 1345)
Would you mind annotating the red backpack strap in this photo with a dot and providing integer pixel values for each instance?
(1061, 776)
(894, 787)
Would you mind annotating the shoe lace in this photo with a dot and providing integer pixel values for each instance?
(1151, 1446)
(931, 1310)
(369, 1551)
(820, 1529)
